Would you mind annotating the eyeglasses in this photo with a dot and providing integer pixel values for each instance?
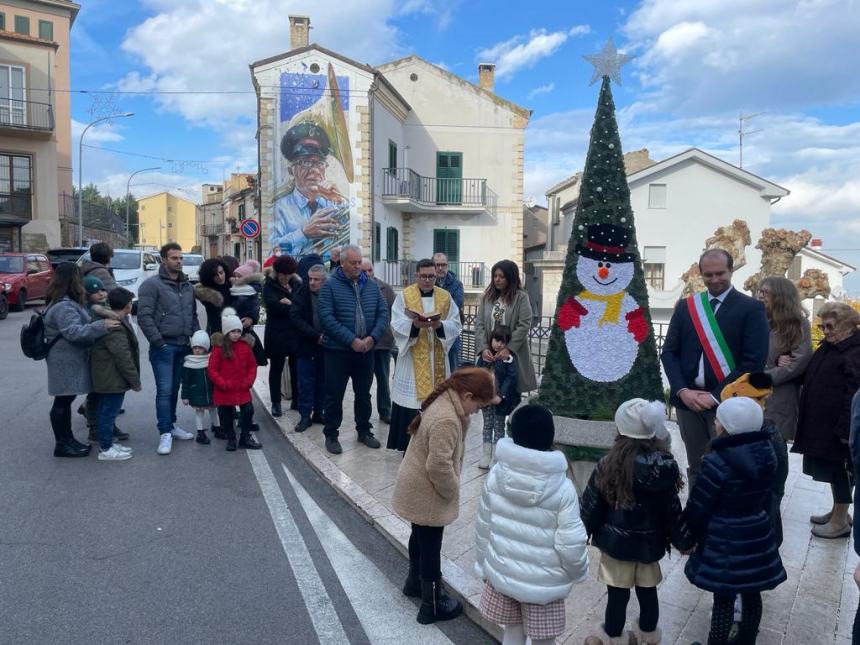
(423, 276)
(441, 265)
(307, 164)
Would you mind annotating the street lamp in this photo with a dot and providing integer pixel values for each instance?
(128, 197)
(81, 171)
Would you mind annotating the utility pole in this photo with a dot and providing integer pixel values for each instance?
(742, 119)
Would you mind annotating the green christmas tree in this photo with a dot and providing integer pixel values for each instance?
(602, 349)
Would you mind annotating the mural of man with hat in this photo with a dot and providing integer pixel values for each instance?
(306, 213)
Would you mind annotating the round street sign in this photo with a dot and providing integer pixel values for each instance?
(250, 228)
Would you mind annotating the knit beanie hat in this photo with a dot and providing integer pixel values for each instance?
(246, 269)
(640, 419)
(93, 285)
(532, 427)
(740, 414)
(285, 265)
(230, 321)
(755, 385)
(200, 339)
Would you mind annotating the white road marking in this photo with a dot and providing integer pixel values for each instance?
(326, 622)
(385, 613)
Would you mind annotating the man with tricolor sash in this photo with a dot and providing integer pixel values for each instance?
(426, 323)
(713, 338)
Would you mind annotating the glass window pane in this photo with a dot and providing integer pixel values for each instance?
(22, 25)
(5, 176)
(46, 30)
(4, 81)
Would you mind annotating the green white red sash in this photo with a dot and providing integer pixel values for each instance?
(715, 348)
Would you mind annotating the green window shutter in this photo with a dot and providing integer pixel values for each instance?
(447, 241)
(391, 245)
(392, 155)
(2, 20)
(449, 175)
(22, 25)
(46, 30)
(377, 233)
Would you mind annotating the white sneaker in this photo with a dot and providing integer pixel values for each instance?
(165, 444)
(181, 434)
(122, 448)
(112, 454)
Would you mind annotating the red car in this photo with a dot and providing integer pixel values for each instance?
(27, 276)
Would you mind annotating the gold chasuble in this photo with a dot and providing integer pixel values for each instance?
(424, 376)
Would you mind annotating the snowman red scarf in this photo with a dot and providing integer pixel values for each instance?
(714, 345)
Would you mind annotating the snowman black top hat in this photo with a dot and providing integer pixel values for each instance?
(606, 243)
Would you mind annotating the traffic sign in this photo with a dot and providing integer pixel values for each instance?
(250, 228)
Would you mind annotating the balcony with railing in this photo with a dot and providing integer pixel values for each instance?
(27, 118)
(401, 273)
(407, 191)
(213, 230)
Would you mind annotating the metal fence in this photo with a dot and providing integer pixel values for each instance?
(95, 215)
(538, 337)
(27, 115)
(441, 191)
(401, 273)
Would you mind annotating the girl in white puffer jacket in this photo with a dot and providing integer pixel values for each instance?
(531, 543)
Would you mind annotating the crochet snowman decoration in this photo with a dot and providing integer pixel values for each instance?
(603, 325)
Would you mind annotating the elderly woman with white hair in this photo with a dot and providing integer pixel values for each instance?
(830, 381)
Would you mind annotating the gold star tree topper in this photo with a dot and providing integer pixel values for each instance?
(607, 63)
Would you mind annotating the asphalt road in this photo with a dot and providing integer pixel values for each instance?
(201, 546)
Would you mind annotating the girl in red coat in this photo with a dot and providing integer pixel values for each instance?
(232, 370)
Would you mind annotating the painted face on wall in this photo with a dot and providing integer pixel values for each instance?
(603, 278)
(309, 173)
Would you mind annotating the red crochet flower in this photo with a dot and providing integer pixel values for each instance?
(637, 325)
(570, 313)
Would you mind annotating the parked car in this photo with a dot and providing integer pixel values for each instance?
(130, 268)
(28, 276)
(4, 301)
(70, 254)
(191, 266)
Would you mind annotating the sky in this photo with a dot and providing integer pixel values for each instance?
(696, 67)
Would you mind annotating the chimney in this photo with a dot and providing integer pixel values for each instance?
(816, 244)
(487, 76)
(300, 28)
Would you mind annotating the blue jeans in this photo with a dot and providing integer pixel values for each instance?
(109, 407)
(311, 384)
(454, 354)
(167, 368)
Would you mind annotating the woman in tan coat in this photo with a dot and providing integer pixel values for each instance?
(789, 351)
(427, 492)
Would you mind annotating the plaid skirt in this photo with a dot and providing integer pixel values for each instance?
(538, 621)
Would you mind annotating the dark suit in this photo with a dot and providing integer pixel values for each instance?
(743, 323)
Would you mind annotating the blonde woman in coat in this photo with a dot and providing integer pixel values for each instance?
(427, 492)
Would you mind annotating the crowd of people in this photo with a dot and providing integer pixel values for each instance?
(744, 378)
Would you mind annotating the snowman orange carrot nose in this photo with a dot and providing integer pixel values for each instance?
(603, 272)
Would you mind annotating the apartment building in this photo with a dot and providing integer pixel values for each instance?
(164, 218)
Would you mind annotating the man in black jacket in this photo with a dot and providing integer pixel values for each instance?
(306, 324)
(713, 338)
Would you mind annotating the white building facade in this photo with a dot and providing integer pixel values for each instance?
(405, 159)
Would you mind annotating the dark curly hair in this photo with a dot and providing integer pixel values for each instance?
(209, 268)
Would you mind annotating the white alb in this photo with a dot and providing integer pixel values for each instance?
(531, 543)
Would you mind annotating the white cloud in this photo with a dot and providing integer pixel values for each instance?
(745, 54)
(521, 52)
(107, 132)
(541, 89)
(197, 44)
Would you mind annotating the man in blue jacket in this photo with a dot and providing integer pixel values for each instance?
(713, 338)
(353, 315)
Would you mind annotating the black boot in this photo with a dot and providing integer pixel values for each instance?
(276, 409)
(202, 438)
(218, 433)
(92, 434)
(303, 424)
(436, 604)
(231, 439)
(119, 435)
(61, 424)
(412, 586)
(746, 637)
(246, 440)
(317, 417)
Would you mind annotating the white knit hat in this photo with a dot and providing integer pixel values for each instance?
(200, 339)
(230, 321)
(740, 414)
(640, 419)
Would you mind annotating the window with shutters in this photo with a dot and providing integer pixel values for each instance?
(392, 155)
(46, 30)
(2, 20)
(392, 250)
(377, 242)
(657, 196)
(447, 241)
(654, 266)
(12, 95)
(22, 25)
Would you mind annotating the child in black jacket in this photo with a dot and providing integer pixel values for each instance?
(197, 388)
(632, 513)
(505, 371)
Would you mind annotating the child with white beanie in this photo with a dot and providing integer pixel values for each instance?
(727, 513)
(632, 513)
(197, 387)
